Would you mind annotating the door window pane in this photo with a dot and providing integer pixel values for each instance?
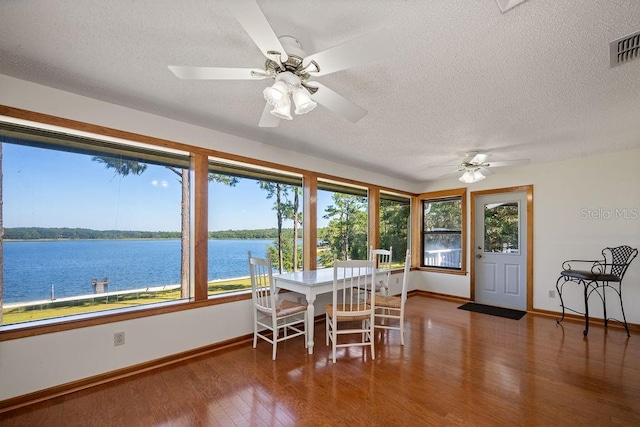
(501, 226)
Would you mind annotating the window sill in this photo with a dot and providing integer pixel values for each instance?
(441, 270)
(59, 324)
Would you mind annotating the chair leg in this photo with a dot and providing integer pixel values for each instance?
(255, 330)
(371, 340)
(326, 325)
(558, 289)
(586, 308)
(276, 334)
(624, 318)
(334, 339)
(401, 330)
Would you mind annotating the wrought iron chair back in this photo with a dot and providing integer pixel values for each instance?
(617, 259)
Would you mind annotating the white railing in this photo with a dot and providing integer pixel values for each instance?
(443, 258)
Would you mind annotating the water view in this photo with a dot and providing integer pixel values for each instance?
(31, 267)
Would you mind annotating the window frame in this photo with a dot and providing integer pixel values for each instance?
(400, 198)
(199, 166)
(456, 193)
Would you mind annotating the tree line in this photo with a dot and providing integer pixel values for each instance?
(44, 233)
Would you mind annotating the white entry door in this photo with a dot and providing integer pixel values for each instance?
(501, 250)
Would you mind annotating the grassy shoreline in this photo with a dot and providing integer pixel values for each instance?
(97, 302)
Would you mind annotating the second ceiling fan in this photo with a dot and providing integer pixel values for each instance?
(292, 69)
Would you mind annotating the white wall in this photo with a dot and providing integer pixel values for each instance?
(564, 194)
(560, 192)
(42, 99)
(35, 363)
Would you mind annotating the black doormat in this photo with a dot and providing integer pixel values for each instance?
(494, 311)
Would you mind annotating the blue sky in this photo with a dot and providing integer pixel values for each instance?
(47, 188)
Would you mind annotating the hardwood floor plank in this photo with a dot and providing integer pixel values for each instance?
(456, 368)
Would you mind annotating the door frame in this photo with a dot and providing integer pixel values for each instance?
(522, 188)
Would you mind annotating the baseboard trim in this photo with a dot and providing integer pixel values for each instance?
(71, 387)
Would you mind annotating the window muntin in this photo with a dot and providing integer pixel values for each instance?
(442, 233)
(251, 209)
(80, 220)
(395, 220)
(343, 211)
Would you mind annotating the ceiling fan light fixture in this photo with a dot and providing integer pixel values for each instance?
(276, 93)
(283, 109)
(303, 101)
(477, 176)
(471, 176)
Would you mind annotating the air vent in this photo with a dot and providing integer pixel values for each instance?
(625, 49)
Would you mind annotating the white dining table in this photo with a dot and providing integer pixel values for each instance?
(309, 283)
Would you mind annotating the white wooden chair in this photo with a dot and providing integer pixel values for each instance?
(352, 281)
(382, 258)
(271, 314)
(390, 309)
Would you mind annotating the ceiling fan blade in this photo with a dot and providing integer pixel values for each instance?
(479, 158)
(337, 103)
(268, 120)
(486, 171)
(250, 16)
(368, 48)
(470, 155)
(519, 162)
(450, 173)
(217, 73)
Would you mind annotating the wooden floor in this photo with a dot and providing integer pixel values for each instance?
(456, 368)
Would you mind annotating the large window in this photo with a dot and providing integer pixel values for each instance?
(395, 211)
(251, 209)
(443, 231)
(99, 227)
(89, 225)
(342, 222)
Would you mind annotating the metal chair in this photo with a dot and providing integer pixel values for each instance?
(271, 313)
(597, 276)
(352, 281)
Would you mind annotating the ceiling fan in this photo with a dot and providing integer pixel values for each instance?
(476, 167)
(292, 69)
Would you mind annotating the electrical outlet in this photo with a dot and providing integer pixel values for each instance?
(118, 338)
(552, 294)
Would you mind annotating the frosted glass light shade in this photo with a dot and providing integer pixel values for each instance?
(471, 176)
(477, 176)
(303, 101)
(276, 93)
(283, 109)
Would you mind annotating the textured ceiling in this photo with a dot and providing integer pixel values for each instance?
(533, 83)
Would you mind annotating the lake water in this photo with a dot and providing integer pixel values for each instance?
(30, 268)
